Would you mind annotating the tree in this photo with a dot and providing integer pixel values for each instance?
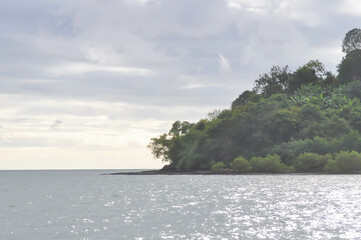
(306, 112)
(350, 68)
(353, 89)
(168, 146)
(352, 112)
(348, 142)
(272, 89)
(352, 41)
(160, 147)
(179, 128)
(245, 97)
(330, 79)
(317, 66)
(218, 114)
(277, 76)
(285, 124)
(311, 72)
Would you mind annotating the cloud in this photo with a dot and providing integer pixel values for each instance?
(258, 7)
(120, 72)
(224, 64)
(106, 51)
(351, 7)
(56, 124)
(234, 4)
(81, 68)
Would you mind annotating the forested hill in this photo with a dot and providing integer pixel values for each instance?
(307, 120)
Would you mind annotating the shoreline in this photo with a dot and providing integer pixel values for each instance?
(159, 172)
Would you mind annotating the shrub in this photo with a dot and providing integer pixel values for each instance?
(288, 151)
(269, 164)
(348, 161)
(218, 166)
(344, 162)
(348, 142)
(311, 162)
(318, 145)
(332, 167)
(240, 165)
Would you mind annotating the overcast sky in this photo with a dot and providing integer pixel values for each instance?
(86, 84)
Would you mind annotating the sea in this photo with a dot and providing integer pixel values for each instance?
(86, 205)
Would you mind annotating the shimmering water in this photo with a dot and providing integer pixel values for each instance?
(86, 205)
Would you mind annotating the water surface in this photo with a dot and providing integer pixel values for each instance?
(86, 205)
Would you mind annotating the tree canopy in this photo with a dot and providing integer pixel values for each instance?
(352, 41)
(307, 120)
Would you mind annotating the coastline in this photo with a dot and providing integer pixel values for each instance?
(160, 172)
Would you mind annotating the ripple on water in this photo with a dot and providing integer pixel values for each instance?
(90, 206)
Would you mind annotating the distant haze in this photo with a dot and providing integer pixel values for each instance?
(86, 84)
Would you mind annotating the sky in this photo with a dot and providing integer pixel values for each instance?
(87, 84)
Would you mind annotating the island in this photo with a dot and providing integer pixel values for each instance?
(302, 121)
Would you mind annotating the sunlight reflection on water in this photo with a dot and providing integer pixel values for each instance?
(86, 205)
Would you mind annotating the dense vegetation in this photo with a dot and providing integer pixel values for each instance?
(308, 120)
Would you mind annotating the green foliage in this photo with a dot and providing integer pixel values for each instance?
(303, 76)
(289, 118)
(179, 128)
(278, 78)
(285, 124)
(218, 166)
(330, 79)
(160, 148)
(318, 145)
(282, 100)
(352, 41)
(332, 167)
(288, 151)
(349, 69)
(240, 164)
(246, 97)
(352, 112)
(317, 66)
(345, 162)
(270, 90)
(219, 114)
(318, 123)
(269, 164)
(348, 161)
(348, 142)
(353, 89)
(311, 162)
(324, 96)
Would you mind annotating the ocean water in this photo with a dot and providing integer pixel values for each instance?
(87, 205)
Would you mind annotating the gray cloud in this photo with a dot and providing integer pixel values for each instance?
(131, 67)
(56, 124)
(171, 38)
(177, 40)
